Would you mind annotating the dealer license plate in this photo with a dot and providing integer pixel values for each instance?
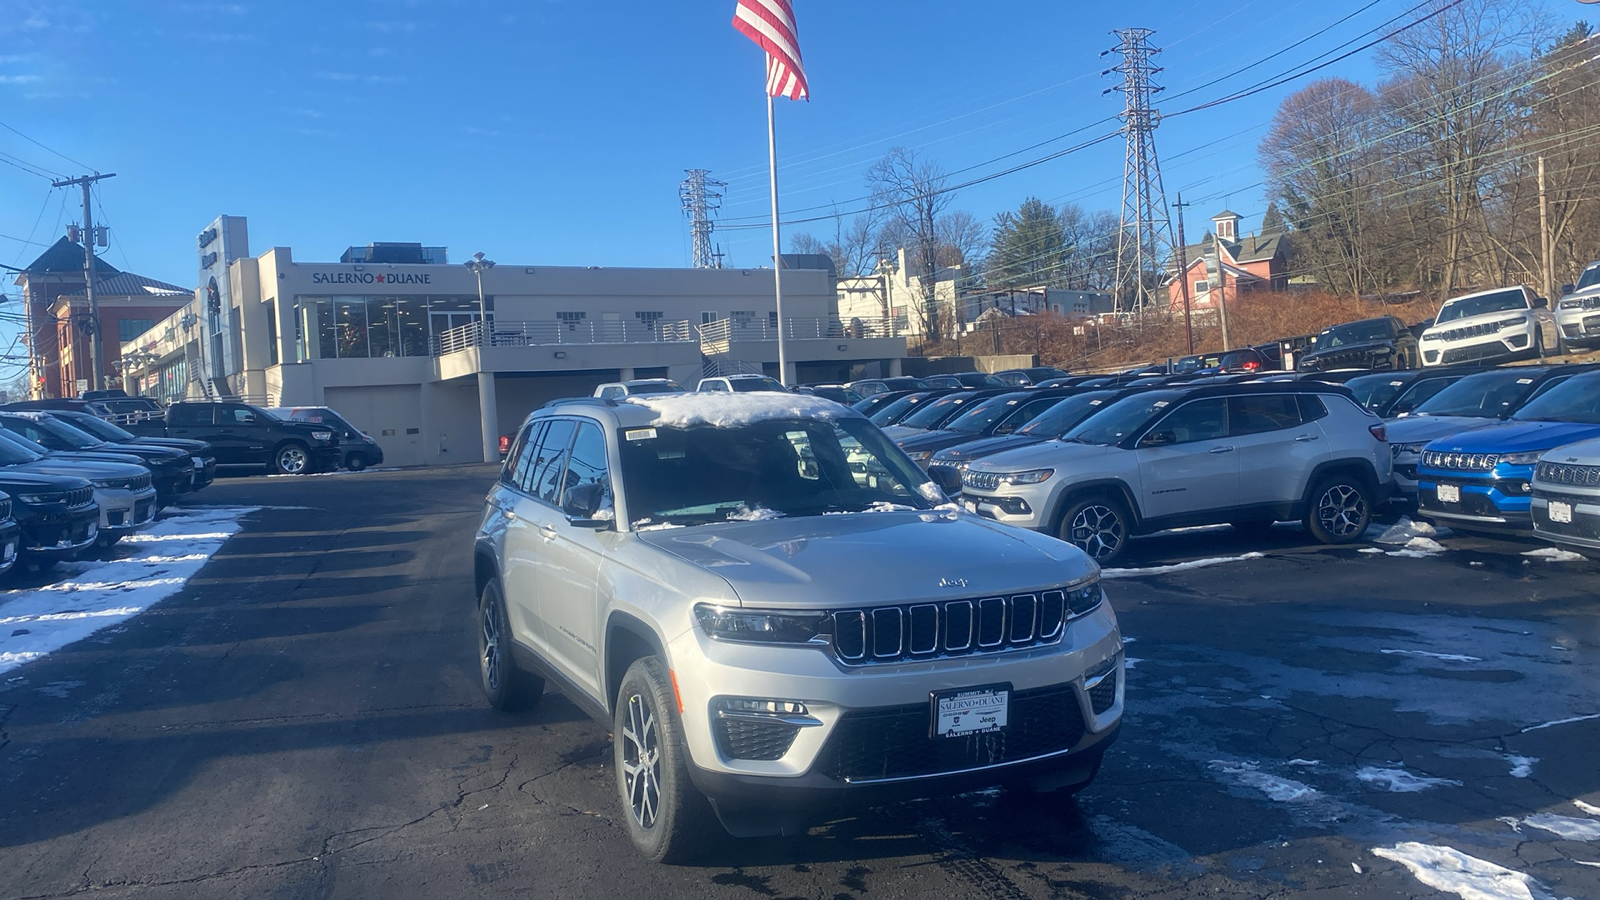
(971, 711)
(1449, 493)
(10, 552)
(1560, 512)
(970, 505)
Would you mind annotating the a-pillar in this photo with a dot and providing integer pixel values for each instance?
(489, 416)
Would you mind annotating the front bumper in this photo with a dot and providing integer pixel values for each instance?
(60, 533)
(204, 472)
(123, 511)
(1025, 506)
(10, 542)
(173, 480)
(1490, 505)
(1505, 344)
(1584, 529)
(1579, 326)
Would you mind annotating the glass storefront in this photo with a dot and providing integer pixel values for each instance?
(374, 327)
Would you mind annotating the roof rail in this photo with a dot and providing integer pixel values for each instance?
(586, 401)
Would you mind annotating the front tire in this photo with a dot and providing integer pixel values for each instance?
(292, 459)
(355, 462)
(664, 813)
(1340, 509)
(1097, 525)
(506, 687)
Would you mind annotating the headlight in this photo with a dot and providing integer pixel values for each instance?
(1512, 323)
(322, 435)
(1084, 598)
(1571, 304)
(1522, 459)
(1397, 449)
(1032, 476)
(920, 456)
(110, 484)
(38, 498)
(759, 626)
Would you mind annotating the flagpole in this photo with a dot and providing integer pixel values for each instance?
(777, 251)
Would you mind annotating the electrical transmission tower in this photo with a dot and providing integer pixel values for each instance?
(1146, 229)
(701, 196)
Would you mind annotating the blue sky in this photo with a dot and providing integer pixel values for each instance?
(555, 132)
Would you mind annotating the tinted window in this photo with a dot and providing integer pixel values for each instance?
(14, 449)
(1201, 420)
(588, 463)
(979, 416)
(1356, 333)
(550, 461)
(1576, 399)
(31, 430)
(1375, 391)
(757, 384)
(516, 469)
(937, 411)
(1065, 414)
(1484, 394)
(1254, 415)
(1499, 301)
(1417, 394)
(1312, 408)
(189, 415)
(895, 408)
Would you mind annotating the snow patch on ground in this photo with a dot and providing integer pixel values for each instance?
(1399, 781)
(721, 410)
(1129, 662)
(1404, 531)
(1249, 774)
(1521, 766)
(1448, 657)
(1565, 827)
(1178, 567)
(1589, 808)
(159, 561)
(1448, 869)
(1555, 555)
(1305, 762)
(1369, 550)
(1556, 722)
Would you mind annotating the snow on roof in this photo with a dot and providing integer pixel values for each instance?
(731, 410)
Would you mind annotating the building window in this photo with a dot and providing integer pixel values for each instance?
(649, 318)
(1201, 287)
(272, 332)
(707, 317)
(572, 319)
(130, 329)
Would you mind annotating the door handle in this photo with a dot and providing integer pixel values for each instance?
(1306, 437)
(509, 513)
(1220, 450)
(547, 532)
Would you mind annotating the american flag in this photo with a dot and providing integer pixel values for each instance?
(770, 23)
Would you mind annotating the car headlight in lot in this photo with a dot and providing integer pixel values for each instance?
(1517, 322)
(760, 626)
(38, 498)
(1032, 476)
(1571, 304)
(1397, 449)
(920, 456)
(1522, 459)
(322, 435)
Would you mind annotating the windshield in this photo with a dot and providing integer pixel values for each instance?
(66, 434)
(1485, 394)
(14, 449)
(1375, 391)
(1355, 333)
(985, 413)
(753, 384)
(1121, 419)
(765, 470)
(1058, 419)
(895, 408)
(658, 387)
(936, 411)
(1575, 400)
(1591, 277)
(1500, 301)
(99, 428)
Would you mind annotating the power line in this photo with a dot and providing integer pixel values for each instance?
(37, 144)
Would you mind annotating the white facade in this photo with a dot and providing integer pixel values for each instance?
(399, 349)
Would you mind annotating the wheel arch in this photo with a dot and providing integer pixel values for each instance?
(485, 568)
(1101, 486)
(628, 639)
(1360, 468)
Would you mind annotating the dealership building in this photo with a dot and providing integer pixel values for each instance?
(393, 336)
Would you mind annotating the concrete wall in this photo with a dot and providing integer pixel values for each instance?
(391, 413)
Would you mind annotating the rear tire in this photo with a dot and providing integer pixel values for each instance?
(665, 815)
(1340, 509)
(1098, 525)
(506, 687)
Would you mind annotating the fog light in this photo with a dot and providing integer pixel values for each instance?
(762, 707)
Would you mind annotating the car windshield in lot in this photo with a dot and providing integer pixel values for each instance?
(893, 410)
(1114, 423)
(1063, 416)
(1590, 278)
(1576, 399)
(936, 411)
(766, 469)
(100, 428)
(16, 449)
(750, 384)
(656, 387)
(1499, 301)
(1484, 394)
(65, 433)
(985, 413)
(1354, 333)
(1375, 391)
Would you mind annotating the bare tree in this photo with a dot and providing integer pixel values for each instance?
(910, 192)
(962, 239)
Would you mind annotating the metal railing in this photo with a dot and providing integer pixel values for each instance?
(544, 334)
(739, 328)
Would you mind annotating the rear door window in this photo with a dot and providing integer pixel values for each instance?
(1261, 413)
(189, 416)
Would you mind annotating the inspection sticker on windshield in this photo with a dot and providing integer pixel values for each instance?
(1524, 381)
(639, 434)
(971, 710)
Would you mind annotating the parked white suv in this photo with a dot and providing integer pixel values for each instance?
(771, 607)
(1566, 496)
(1504, 323)
(1578, 313)
(739, 384)
(616, 390)
(1245, 454)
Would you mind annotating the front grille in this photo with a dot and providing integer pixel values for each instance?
(1561, 473)
(749, 739)
(889, 634)
(1471, 504)
(1103, 696)
(1581, 526)
(1473, 354)
(1471, 331)
(140, 482)
(80, 496)
(983, 481)
(895, 742)
(1469, 462)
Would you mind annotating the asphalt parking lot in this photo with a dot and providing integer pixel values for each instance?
(304, 719)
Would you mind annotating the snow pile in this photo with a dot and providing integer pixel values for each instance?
(753, 514)
(1555, 722)
(1555, 555)
(1404, 531)
(1589, 808)
(723, 410)
(1565, 827)
(1249, 774)
(1448, 869)
(1399, 781)
(1178, 567)
(1521, 766)
(159, 561)
(1447, 657)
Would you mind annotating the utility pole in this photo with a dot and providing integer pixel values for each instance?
(1544, 241)
(1145, 228)
(1183, 274)
(96, 347)
(701, 197)
(1222, 292)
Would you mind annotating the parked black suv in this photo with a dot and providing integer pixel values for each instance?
(242, 435)
(1381, 343)
(172, 470)
(57, 515)
(205, 461)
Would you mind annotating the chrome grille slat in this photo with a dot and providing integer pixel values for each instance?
(889, 634)
(1564, 473)
(1471, 462)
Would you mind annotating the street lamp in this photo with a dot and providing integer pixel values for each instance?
(479, 265)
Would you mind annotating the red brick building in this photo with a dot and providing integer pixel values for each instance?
(1249, 263)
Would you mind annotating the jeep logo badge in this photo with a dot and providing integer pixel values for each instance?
(953, 582)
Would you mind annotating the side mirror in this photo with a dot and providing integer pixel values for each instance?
(948, 480)
(1005, 428)
(1567, 289)
(1541, 303)
(583, 503)
(1158, 439)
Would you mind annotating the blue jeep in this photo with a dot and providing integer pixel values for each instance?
(1481, 480)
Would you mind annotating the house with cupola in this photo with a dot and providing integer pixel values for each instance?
(1226, 264)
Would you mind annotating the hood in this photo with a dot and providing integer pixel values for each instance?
(898, 433)
(988, 447)
(933, 441)
(144, 452)
(84, 469)
(196, 448)
(94, 456)
(14, 480)
(1421, 429)
(839, 561)
(1517, 437)
(1046, 455)
(1474, 321)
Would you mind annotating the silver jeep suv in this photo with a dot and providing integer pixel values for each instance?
(774, 610)
(1244, 454)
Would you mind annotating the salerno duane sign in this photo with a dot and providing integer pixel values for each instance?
(372, 278)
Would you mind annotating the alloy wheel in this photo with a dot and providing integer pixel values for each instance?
(490, 652)
(292, 460)
(1098, 531)
(641, 761)
(1342, 511)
